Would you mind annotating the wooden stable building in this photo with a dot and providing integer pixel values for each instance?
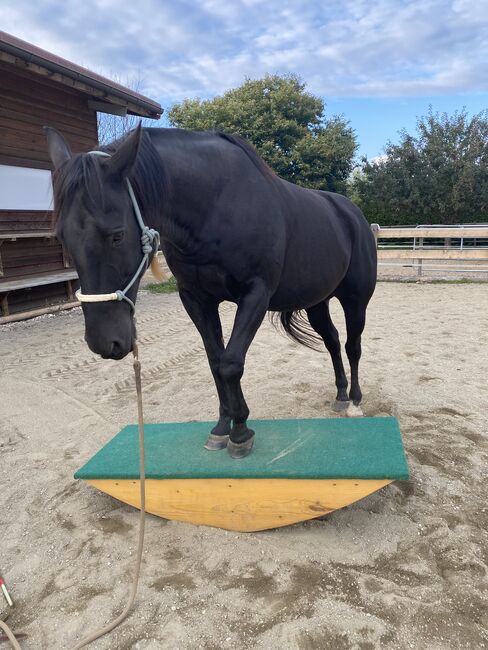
(40, 89)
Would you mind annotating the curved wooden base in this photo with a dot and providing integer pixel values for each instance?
(242, 505)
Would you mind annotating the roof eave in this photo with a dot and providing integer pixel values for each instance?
(136, 105)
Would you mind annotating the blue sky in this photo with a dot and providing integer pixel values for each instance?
(379, 63)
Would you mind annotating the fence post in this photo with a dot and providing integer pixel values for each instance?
(419, 264)
(375, 228)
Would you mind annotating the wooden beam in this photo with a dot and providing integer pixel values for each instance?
(14, 235)
(4, 307)
(33, 313)
(480, 254)
(37, 280)
(69, 290)
(441, 233)
(105, 107)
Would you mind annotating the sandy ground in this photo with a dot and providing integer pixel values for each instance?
(403, 568)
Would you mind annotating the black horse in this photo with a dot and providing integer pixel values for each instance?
(230, 230)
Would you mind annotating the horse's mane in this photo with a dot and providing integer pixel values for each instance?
(82, 171)
(250, 152)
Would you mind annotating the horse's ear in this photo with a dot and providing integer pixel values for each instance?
(58, 148)
(123, 159)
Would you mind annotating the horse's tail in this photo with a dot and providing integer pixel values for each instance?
(157, 271)
(296, 325)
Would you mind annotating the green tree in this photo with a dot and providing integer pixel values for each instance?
(439, 175)
(285, 123)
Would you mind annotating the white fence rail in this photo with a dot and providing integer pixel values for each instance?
(449, 249)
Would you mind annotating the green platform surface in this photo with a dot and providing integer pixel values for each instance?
(362, 448)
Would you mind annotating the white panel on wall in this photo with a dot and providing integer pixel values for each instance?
(24, 188)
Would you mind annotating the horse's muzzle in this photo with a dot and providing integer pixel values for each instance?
(111, 349)
(116, 351)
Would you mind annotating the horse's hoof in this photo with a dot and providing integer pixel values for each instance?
(340, 406)
(354, 411)
(240, 449)
(214, 443)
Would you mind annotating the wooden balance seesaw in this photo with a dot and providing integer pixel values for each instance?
(298, 470)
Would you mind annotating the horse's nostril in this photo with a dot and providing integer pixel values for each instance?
(116, 350)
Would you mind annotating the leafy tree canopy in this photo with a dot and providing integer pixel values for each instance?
(285, 123)
(438, 175)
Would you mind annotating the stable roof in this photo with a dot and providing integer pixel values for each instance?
(108, 96)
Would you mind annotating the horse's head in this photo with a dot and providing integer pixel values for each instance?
(96, 224)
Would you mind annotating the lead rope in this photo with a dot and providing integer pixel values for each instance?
(10, 635)
(108, 628)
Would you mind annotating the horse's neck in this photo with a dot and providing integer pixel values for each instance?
(191, 190)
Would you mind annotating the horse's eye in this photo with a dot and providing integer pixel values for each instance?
(118, 238)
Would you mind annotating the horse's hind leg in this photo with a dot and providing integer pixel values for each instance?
(320, 320)
(355, 313)
(205, 315)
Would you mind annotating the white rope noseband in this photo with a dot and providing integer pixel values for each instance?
(149, 237)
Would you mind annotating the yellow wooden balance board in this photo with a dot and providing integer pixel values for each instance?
(298, 470)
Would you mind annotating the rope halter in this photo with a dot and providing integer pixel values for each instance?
(149, 245)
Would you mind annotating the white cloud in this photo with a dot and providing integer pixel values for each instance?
(201, 48)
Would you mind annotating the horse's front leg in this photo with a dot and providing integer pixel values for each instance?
(250, 313)
(205, 315)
